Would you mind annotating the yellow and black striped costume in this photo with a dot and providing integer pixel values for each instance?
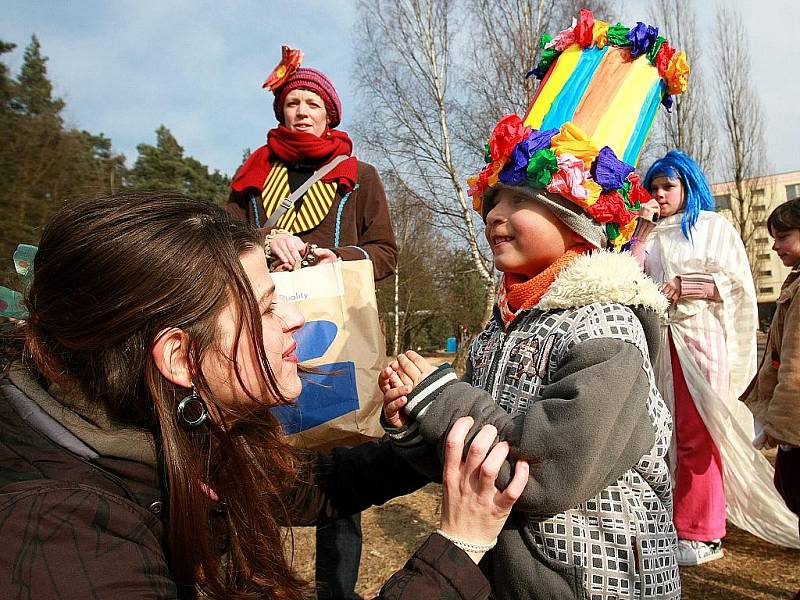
(308, 212)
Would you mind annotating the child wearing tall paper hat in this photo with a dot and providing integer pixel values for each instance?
(708, 358)
(563, 370)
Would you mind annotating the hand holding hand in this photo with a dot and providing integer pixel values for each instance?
(412, 368)
(473, 509)
(394, 397)
(672, 289)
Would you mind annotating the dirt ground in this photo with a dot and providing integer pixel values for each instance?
(751, 568)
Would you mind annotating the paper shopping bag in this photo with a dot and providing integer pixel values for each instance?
(342, 339)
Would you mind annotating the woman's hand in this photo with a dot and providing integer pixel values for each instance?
(288, 250)
(672, 289)
(473, 509)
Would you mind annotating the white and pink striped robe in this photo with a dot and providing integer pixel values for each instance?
(716, 344)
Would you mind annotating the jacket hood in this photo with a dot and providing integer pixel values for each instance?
(606, 276)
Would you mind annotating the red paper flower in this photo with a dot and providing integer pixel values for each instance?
(507, 134)
(610, 208)
(584, 28)
(290, 60)
(663, 58)
(638, 193)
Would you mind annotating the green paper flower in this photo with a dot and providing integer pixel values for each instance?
(618, 35)
(651, 55)
(541, 167)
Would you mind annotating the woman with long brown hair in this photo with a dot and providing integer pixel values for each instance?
(138, 454)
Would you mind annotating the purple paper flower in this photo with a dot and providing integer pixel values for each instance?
(515, 171)
(667, 102)
(609, 171)
(642, 37)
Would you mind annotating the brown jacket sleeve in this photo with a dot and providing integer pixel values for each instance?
(437, 570)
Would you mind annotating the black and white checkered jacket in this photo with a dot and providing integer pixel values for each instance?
(570, 385)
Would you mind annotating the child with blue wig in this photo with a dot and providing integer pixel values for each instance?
(707, 358)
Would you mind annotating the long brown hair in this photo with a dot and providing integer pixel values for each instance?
(110, 274)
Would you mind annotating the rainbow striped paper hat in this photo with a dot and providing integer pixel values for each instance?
(581, 138)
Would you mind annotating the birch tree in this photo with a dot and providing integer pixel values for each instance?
(405, 56)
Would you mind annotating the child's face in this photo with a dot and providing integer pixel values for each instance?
(668, 192)
(524, 235)
(787, 246)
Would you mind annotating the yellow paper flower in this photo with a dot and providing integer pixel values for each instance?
(625, 235)
(571, 140)
(600, 33)
(678, 73)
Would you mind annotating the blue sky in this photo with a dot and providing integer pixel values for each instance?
(126, 67)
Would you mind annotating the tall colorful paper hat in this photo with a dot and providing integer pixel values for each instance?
(581, 138)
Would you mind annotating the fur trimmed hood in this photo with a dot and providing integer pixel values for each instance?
(604, 276)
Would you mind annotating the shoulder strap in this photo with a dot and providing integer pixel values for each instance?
(287, 203)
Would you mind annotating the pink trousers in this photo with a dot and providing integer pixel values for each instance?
(699, 493)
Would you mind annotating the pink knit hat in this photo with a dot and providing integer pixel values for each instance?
(288, 76)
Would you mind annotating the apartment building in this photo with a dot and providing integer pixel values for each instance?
(769, 272)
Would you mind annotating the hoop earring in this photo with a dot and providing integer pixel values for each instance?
(192, 410)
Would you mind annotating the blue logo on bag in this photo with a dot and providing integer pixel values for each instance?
(326, 395)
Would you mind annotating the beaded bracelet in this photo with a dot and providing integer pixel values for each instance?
(468, 546)
(271, 236)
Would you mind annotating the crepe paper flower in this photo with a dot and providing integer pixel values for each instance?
(541, 167)
(642, 38)
(600, 34)
(618, 35)
(544, 40)
(290, 60)
(609, 171)
(507, 133)
(625, 234)
(667, 101)
(610, 208)
(651, 54)
(571, 140)
(515, 170)
(547, 58)
(584, 28)
(637, 193)
(571, 179)
(678, 74)
(564, 39)
(663, 58)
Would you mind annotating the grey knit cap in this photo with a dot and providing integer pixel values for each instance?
(567, 212)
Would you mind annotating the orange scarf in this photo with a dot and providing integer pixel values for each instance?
(517, 293)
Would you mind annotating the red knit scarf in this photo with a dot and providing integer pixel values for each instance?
(295, 146)
(517, 293)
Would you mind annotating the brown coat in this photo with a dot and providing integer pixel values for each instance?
(774, 394)
(364, 223)
(80, 522)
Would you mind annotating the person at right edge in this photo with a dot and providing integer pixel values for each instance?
(773, 396)
(563, 370)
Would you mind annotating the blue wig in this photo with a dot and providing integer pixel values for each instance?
(677, 165)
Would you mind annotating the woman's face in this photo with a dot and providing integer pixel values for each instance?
(668, 192)
(304, 110)
(279, 321)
